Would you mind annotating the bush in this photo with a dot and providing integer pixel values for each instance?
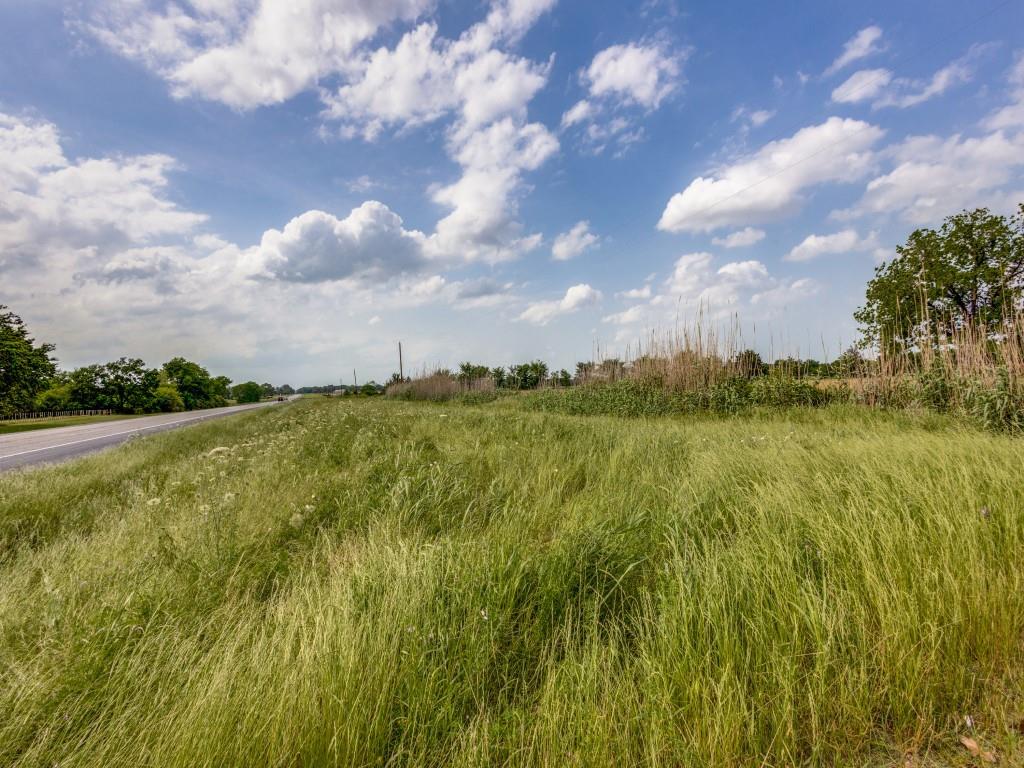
(56, 398)
(167, 400)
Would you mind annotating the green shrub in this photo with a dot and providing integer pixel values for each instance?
(999, 407)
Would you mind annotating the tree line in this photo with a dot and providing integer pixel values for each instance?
(967, 273)
(31, 381)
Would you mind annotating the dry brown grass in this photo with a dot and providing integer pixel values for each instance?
(438, 385)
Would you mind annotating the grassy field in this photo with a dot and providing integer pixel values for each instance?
(26, 425)
(362, 582)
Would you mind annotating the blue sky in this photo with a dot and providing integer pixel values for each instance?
(284, 190)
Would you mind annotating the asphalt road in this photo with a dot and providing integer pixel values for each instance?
(46, 446)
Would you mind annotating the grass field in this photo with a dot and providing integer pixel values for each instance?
(363, 582)
(26, 425)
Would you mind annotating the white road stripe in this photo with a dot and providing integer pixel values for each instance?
(116, 434)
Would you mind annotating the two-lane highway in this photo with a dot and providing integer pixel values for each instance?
(45, 446)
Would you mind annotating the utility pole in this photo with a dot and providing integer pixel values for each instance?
(401, 373)
(355, 383)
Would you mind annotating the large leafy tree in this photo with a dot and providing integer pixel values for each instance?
(129, 386)
(26, 368)
(969, 272)
(247, 392)
(195, 385)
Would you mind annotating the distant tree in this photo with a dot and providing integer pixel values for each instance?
(221, 388)
(396, 378)
(849, 363)
(749, 364)
(85, 387)
(269, 390)
(527, 375)
(499, 376)
(247, 392)
(26, 368)
(194, 384)
(970, 271)
(128, 386)
(561, 378)
(584, 372)
(369, 389)
(470, 372)
(285, 389)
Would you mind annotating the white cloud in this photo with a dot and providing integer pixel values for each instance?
(862, 85)
(248, 54)
(884, 90)
(909, 93)
(695, 282)
(627, 316)
(933, 177)
(863, 44)
(577, 113)
(370, 244)
(487, 90)
(755, 118)
(622, 79)
(785, 292)
(51, 202)
(636, 293)
(571, 244)
(740, 238)
(362, 184)
(634, 74)
(844, 241)
(482, 225)
(425, 78)
(542, 312)
(1012, 115)
(769, 183)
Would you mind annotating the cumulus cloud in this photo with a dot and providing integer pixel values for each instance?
(486, 90)
(740, 238)
(621, 80)
(770, 182)
(267, 51)
(482, 225)
(542, 312)
(643, 74)
(370, 243)
(50, 202)
(865, 43)
(844, 241)
(932, 176)
(571, 244)
(696, 282)
(244, 54)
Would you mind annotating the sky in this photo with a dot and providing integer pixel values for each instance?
(282, 190)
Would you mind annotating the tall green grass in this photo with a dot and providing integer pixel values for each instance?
(389, 583)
